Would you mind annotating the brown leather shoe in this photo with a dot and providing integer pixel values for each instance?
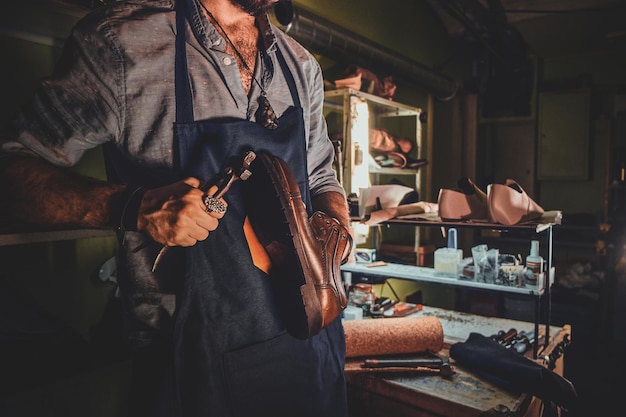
(467, 203)
(306, 254)
(509, 204)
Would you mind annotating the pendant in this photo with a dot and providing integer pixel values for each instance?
(265, 114)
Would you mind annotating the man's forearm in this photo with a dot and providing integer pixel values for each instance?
(36, 192)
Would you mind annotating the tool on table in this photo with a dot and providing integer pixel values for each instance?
(509, 338)
(512, 339)
(504, 338)
(523, 341)
(381, 305)
(438, 364)
(238, 169)
(401, 309)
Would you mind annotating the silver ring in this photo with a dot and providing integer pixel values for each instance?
(214, 205)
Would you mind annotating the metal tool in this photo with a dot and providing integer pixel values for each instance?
(504, 338)
(381, 305)
(338, 160)
(238, 169)
(523, 341)
(440, 365)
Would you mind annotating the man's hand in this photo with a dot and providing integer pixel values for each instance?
(175, 215)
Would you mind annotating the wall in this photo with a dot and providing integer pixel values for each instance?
(606, 75)
(408, 27)
(60, 278)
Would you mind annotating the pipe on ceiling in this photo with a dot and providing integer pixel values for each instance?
(338, 44)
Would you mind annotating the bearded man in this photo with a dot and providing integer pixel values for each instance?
(171, 89)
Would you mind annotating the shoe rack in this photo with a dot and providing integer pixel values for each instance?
(350, 114)
(540, 292)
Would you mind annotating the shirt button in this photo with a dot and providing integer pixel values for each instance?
(227, 61)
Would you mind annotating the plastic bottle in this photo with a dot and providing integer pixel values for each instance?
(534, 262)
(358, 154)
(447, 259)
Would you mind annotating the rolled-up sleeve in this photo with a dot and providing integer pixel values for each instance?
(320, 153)
(78, 107)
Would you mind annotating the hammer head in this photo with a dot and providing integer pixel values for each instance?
(244, 168)
(241, 165)
(446, 370)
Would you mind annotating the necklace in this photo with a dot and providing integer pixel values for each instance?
(265, 115)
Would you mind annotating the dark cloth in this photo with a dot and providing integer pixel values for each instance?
(510, 370)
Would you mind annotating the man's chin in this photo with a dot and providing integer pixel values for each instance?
(255, 7)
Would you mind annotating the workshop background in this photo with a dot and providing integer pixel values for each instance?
(479, 73)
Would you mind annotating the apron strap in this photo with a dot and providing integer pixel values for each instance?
(288, 77)
(184, 107)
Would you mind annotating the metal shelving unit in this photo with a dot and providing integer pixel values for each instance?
(351, 115)
(427, 275)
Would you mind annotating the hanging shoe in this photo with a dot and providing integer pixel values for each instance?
(509, 204)
(468, 202)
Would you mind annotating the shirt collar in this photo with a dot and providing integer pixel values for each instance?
(267, 32)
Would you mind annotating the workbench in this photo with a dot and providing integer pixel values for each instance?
(464, 394)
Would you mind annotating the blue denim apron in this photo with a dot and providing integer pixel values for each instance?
(232, 355)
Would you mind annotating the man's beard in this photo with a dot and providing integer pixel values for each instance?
(254, 7)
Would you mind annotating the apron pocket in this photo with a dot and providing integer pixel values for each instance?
(275, 376)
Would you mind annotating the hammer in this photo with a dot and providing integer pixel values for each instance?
(442, 366)
(237, 169)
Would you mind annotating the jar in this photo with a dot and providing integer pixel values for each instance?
(362, 295)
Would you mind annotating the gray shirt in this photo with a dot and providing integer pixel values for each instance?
(115, 82)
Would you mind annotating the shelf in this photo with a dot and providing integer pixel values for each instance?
(22, 238)
(382, 106)
(394, 171)
(549, 219)
(364, 127)
(427, 275)
(353, 115)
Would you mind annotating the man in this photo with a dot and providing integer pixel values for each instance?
(172, 89)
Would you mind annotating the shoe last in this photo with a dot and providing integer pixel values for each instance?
(468, 202)
(509, 204)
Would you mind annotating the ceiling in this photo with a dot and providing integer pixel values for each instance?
(549, 28)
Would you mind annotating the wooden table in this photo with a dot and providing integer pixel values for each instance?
(462, 395)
